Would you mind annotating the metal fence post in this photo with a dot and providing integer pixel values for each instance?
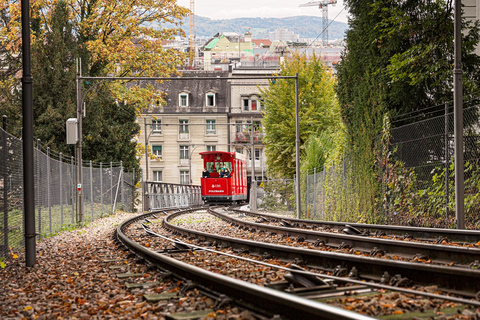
(121, 185)
(73, 187)
(133, 190)
(61, 189)
(315, 192)
(446, 160)
(5, 191)
(91, 187)
(39, 199)
(48, 192)
(101, 189)
(307, 197)
(324, 191)
(111, 187)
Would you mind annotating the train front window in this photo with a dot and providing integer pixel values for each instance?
(218, 165)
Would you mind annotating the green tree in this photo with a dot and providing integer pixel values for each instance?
(318, 111)
(53, 65)
(398, 59)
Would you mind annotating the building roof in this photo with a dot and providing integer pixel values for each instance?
(262, 42)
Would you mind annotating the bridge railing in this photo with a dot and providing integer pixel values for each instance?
(160, 195)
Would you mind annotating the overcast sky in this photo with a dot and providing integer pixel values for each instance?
(228, 9)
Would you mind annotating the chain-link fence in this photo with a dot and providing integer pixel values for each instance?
(106, 188)
(276, 195)
(419, 172)
(414, 174)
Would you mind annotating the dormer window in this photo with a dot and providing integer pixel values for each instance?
(210, 100)
(183, 99)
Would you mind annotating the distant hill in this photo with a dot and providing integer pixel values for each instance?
(305, 26)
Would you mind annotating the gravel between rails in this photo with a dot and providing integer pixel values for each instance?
(73, 280)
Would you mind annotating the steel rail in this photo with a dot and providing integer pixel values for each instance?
(442, 254)
(461, 280)
(270, 300)
(455, 235)
(315, 274)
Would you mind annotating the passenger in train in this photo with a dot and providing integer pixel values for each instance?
(226, 173)
(205, 173)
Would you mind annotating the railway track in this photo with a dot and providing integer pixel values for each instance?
(434, 235)
(340, 273)
(266, 301)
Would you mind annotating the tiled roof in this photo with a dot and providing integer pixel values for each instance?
(262, 42)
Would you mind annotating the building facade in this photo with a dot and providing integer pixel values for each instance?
(207, 114)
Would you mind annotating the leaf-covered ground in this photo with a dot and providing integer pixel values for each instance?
(75, 277)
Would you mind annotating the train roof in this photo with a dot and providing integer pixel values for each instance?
(236, 154)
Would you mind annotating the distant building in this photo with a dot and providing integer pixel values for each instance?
(224, 48)
(283, 35)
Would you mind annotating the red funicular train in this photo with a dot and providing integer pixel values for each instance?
(226, 180)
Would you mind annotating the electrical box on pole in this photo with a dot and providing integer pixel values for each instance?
(72, 131)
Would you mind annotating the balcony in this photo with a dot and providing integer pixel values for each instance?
(246, 137)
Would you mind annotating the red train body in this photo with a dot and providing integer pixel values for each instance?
(224, 186)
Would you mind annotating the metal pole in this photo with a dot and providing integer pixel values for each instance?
(111, 187)
(61, 189)
(458, 118)
(133, 189)
(315, 192)
(101, 189)
(122, 195)
(146, 147)
(297, 149)
(72, 169)
(307, 198)
(190, 163)
(48, 192)
(5, 192)
(253, 193)
(27, 111)
(446, 161)
(91, 188)
(39, 173)
(79, 143)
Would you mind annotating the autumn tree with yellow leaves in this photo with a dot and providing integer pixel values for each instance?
(112, 38)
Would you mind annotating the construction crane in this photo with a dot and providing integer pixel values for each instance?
(323, 4)
(192, 32)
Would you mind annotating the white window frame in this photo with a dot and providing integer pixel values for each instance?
(213, 96)
(157, 174)
(155, 152)
(210, 127)
(180, 99)
(184, 152)
(258, 154)
(157, 126)
(184, 177)
(211, 148)
(183, 127)
(238, 126)
(246, 107)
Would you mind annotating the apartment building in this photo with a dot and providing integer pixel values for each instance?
(207, 114)
(193, 119)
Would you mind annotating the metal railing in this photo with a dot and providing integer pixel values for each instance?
(160, 195)
(106, 188)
